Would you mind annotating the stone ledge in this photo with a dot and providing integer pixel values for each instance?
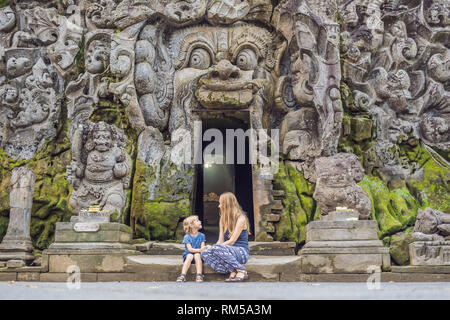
(274, 248)
(343, 244)
(360, 224)
(166, 268)
(422, 269)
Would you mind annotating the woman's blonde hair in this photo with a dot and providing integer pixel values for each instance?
(188, 223)
(230, 212)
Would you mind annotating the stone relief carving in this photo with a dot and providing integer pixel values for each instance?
(100, 168)
(36, 56)
(395, 61)
(336, 186)
(430, 236)
(313, 40)
(168, 63)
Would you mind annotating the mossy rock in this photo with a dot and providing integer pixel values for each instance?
(399, 248)
(4, 3)
(152, 219)
(394, 210)
(299, 206)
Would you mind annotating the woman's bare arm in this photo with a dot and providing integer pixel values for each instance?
(221, 236)
(240, 226)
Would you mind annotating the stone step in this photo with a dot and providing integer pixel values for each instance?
(277, 194)
(274, 248)
(168, 267)
(277, 206)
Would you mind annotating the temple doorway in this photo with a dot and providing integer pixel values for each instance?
(214, 179)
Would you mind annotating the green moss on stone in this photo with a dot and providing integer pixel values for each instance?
(4, 3)
(154, 220)
(299, 206)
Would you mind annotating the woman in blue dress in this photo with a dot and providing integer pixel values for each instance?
(231, 251)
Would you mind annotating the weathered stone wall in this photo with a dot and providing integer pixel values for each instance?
(364, 77)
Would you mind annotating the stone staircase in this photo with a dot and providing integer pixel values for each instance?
(161, 261)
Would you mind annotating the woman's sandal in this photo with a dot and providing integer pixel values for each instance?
(199, 277)
(240, 277)
(231, 277)
(181, 278)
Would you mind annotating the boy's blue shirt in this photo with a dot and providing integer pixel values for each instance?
(195, 242)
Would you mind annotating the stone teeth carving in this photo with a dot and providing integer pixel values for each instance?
(337, 179)
(100, 168)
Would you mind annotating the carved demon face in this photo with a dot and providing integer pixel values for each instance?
(102, 140)
(230, 64)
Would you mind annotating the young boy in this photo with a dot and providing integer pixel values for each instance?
(194, 242)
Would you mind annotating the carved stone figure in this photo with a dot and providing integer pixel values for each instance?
(16, 244)
(100, 168)
(431, 225)
(31, 107)
(431, 235)
(336, 185)
(86, 90)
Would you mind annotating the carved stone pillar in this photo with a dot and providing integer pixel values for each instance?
(16, 244)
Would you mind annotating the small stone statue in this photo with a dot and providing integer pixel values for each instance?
(16, 244)
(431, 225)
(100, 168)
(336, 185)
(431, 245)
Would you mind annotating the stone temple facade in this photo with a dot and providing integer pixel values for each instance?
(98, 97)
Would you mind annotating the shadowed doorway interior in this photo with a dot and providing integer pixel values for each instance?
(214, 179)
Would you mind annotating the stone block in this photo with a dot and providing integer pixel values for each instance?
(8, 276)
(341, 234)
(274, 248)
(28, 276)
(114, 277)
(430, 253)
(107, 232)
(339, 263)
(63, 277)
(15, 264)
(88, 263)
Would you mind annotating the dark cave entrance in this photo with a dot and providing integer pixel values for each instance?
(213, 179)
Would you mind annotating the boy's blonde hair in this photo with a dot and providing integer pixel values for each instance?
(188, 222)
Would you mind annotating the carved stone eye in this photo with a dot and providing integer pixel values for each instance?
(247, 59)
(200, 59)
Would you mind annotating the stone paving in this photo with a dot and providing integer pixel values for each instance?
(223, 291)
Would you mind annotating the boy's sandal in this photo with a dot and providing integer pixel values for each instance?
(199, 277)
(240, 277)
(181, 278)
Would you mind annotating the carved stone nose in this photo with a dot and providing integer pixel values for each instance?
(225, 70)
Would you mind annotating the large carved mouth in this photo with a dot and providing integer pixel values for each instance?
(226, 94)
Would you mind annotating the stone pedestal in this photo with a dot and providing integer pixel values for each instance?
(16, 244)
(93, 244)
(343, 244)
(430, 253)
